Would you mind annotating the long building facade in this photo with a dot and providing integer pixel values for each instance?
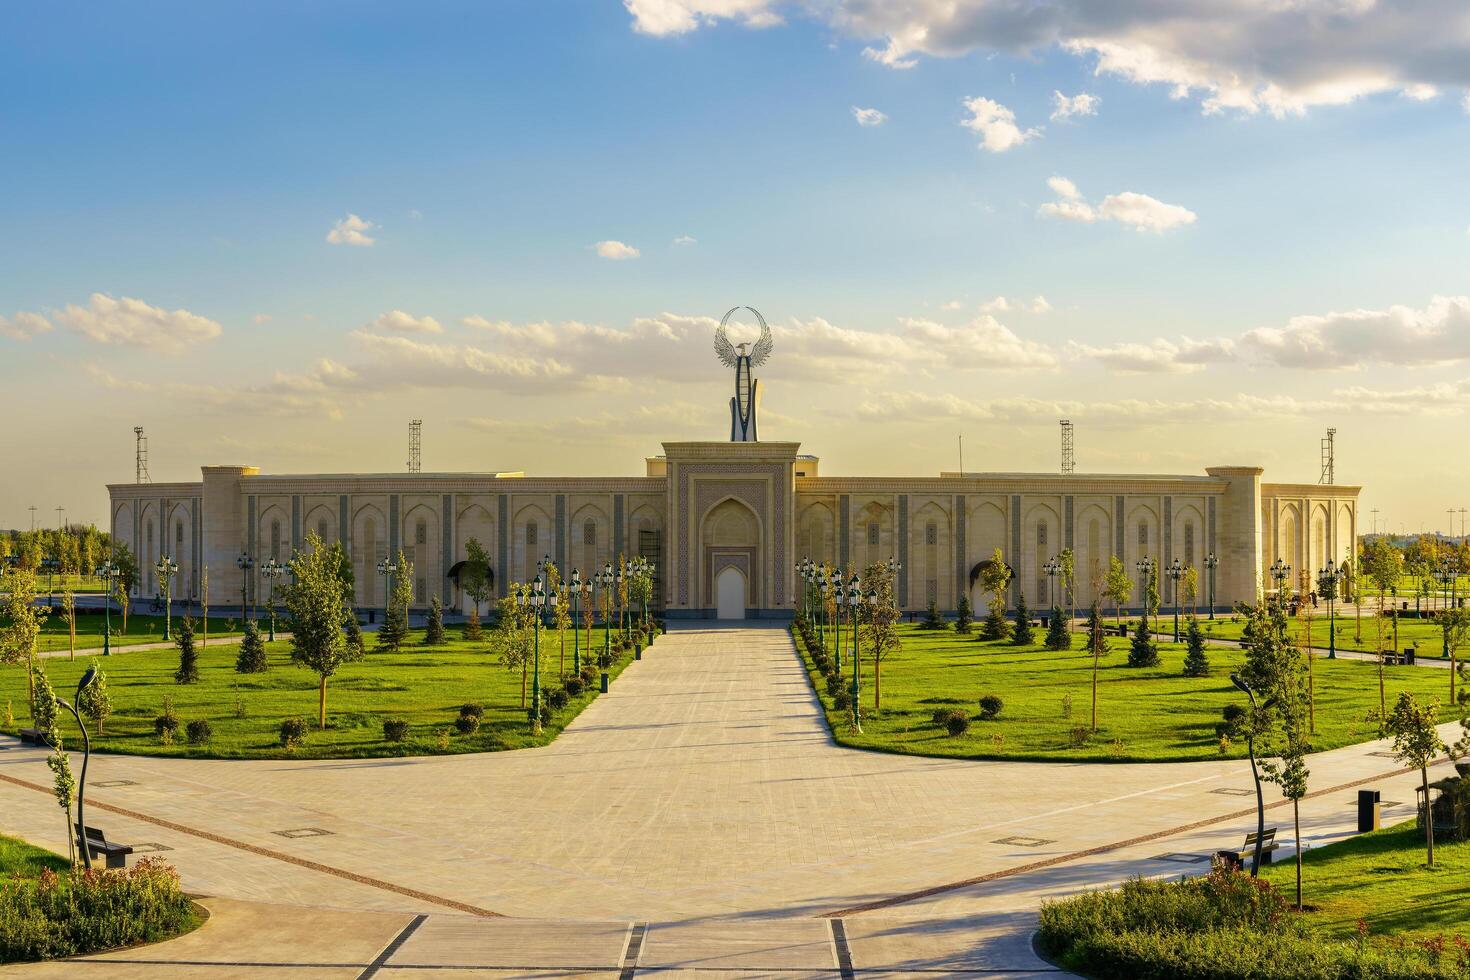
(726, 524)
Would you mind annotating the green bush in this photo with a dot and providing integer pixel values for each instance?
(589, 674)
(932, 619)
(467, 724)
(1196, 663)
(990, 707)
(1022, 636)
(293, 733)
(574, 685)
(395, 729)
(56, 915)
(1058, 637)
(251, 657)
(477, 710)
(1143, 652)
(556, 698)
(198, 732)
(963, 615)
(958, 723)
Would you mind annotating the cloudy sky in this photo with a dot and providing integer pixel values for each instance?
(272, 233)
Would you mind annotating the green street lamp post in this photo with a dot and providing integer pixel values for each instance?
(820, 577)
(245, 563)
(1176, 572)
(1051, 568)
(81, 827)
(576, 585)
(272, 570)
(388, 569)
(608, 581)
(855, 596)
(1144, 566)
(1446, 575)
(167, 568)
(1211, 563)
(1327, 579)
(1280, 572)
(537, 600)
(108, 572)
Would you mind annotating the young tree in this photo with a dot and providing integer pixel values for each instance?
(204, 604)
(1058, 637)
(1383, 564)
(1068, 563)
(474, 579)
(1151, 597)
(963, 614)
(881, 631)
(932, 619)
(127, 578)
(1455, 623)
(513, 633)
(69, 606)
(251, 656)
(395, 619)
(95, 702)
(316, 610)
(1022, 634)
(1196, 662)
(434, 624)
(1190, 588)
(47, 713)
(24, 620)
(188, 672)
(995, 578)
(353, 633)
(1416, 743)
(1118, 586)
(1097, 645)
(1290, 741)
(1143, 652)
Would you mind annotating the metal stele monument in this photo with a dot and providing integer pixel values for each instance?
(747, 390)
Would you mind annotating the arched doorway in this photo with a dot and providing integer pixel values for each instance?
(730, 594)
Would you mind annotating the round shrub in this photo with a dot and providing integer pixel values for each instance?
(198, 732)
(941, 716)
(958, 723)
(574, 686)
(834, 684)
(472, 709)
(467, 724)
(165, 725)
(557, 699)
(990, 706)
(589, 674)
(395, 730)
(293, 732)
(841, 700)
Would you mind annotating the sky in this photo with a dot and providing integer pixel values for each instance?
(272, 233)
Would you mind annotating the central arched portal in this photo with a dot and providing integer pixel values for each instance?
(730, 594)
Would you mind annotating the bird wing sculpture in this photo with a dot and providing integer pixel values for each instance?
(762, 348)
(725, 350)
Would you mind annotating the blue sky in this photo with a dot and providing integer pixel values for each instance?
(194, 157)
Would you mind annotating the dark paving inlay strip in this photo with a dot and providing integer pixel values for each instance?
(1178, 857)
(150, 848)
(303, 832)
(635, 949)
(1024, 841)
(261, 964)
(300, 862)
(1233, 791)
(844, 951)
(110, 783)
(393, 947)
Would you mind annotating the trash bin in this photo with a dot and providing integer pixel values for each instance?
(1122, 629)
(372, 616)
(1368, 810)
(604, 682)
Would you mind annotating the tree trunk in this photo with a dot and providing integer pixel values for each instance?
(1296, 822)
(321, 720)
(877, 683)
(31, 683)
(562, 667)
(1428, 815)
(1094, 691)
(72, 641)
(523, 683)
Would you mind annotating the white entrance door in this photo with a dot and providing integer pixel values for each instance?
(730, 594)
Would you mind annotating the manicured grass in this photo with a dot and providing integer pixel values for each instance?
(1144, 714)
(1381, 878)
(1421, 633)
(141, 629)
(26, 860)
(423, 685)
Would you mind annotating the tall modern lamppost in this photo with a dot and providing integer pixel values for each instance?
(1176, 572)
(245, 563)
(576, 586)
(272, 570)
(81, 827)
(1250, 740)
(167, 568)
(108, 572)
(537, 599)
(388, 569)
(1211, 563)
(1446, 575)
(1280, 572)
(1327, 584)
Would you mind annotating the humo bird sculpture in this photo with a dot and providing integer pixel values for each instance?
(743, 405)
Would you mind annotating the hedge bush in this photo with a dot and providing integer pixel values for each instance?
(395, 729)
(55, 915)
(574, 685)
(990, 707)
(293, 732)
(199, 732)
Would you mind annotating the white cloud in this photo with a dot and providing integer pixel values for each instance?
(1081, 104)
(952, 305)
(1039, 305)
(616, 250)
(996, 125)
(1001, 304)
(133, 323)
(1144, 213)
(1244, 55)
(686, 240)
(308, 395)
(1400, 335)
(352, 230)
(868, 117)
(1465, 103)
(23, 326)
(983, 342)
(1137, 211)
(1420, 92)
(260, 318)
(666, 17)
(397, 321)
(415, 214)
(1184, 357)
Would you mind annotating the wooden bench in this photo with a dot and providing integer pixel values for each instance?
(98, 845)
(1394, 659)
(33, 736)
(1268, 844)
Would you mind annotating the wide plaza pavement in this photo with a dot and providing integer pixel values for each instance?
(696, 821)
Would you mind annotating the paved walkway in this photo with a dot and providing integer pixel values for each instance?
(699, 815)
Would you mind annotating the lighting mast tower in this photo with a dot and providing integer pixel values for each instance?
(415, 435)
(1069, 463)
(1329, 462)
(140, 457)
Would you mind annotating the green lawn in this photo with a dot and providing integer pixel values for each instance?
(1421, 633)
(141, 629)
(422, 685)
(1381, 877)
(1144, 714)
(26, 860)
